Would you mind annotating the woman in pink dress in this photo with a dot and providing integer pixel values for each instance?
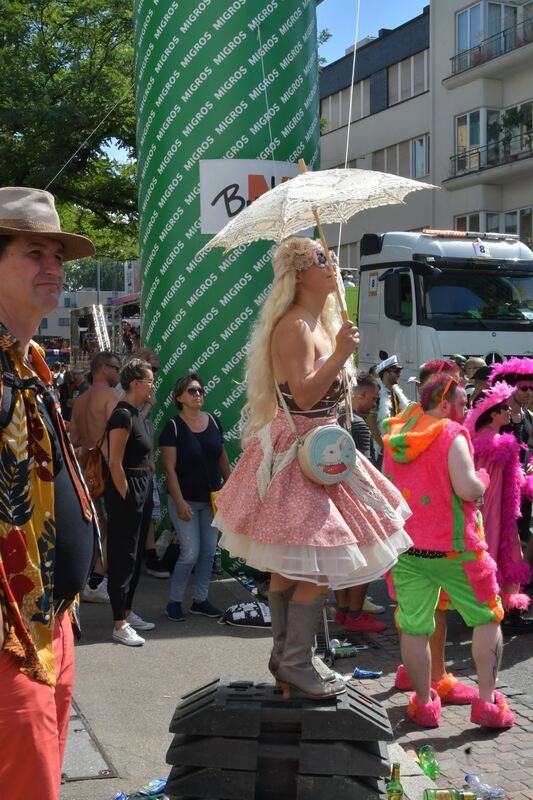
(305, 534)
(499, 454)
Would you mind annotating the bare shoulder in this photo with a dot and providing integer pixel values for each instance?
(291, 325)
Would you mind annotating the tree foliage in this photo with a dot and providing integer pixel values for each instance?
(63, 66)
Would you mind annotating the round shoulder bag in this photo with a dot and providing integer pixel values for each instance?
(326, 454)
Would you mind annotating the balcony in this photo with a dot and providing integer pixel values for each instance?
(498, 162)
(478, 62)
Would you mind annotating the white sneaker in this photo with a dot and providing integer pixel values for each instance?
(98, 595)
(135, 621)
(372, 608)
(126, 635)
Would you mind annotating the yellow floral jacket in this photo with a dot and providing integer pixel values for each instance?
(27, 522)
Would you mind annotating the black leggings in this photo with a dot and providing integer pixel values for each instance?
(127, 527)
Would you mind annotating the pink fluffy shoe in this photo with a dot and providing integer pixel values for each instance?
(453, 692)
(402, 680)
(427, 715)
(492, 715)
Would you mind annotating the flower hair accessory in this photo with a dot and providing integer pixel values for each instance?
(297, 254)
(491, 397)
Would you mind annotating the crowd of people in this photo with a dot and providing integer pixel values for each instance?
(438, 498)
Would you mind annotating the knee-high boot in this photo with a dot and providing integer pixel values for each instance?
(296, 667)
(278, 603)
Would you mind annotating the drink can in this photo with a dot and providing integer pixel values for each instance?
(345, 651)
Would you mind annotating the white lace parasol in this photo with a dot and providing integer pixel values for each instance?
(334, 194)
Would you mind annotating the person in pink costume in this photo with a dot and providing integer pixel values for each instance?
(308, 536)
(499, 454)
(428, 457)
(450, 690)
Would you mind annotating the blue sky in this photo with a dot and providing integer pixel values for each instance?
(340, 15)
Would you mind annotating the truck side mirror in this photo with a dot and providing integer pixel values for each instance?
(393, 296)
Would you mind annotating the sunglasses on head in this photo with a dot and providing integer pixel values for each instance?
(193, 390)
(447, 388)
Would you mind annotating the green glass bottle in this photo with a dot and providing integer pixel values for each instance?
(394, 787)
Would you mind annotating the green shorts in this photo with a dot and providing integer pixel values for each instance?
(469, 578)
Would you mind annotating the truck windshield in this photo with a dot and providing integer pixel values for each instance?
(458, 298)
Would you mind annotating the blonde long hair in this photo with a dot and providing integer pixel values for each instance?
(261, 401)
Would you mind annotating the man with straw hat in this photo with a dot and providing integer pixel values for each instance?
(48, 531)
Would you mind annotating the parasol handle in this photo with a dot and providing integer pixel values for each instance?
(338, 293)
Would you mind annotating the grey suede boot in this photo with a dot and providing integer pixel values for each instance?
(278, 603)
(296, 668)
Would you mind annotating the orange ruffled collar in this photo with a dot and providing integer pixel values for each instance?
(411, 432)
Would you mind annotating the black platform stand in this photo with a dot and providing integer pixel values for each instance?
(236, 740)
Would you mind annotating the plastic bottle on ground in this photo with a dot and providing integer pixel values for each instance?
(483, 790)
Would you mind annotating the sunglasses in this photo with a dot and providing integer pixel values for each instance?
(524, 387)
(193, 390)
(447, 388)
(321, 261)
(113, 366)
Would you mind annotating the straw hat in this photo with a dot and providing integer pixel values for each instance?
(24, 211)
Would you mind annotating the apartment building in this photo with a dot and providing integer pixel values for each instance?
(446, 98)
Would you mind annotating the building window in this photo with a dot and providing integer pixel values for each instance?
(409, 158)
(469, 32)
(68, 302)
(378, 160)
(404, 159)
(44, 323)
(517, 221)
(408, 78)
(467, 141)
(468, 222)
(420, 156)
(335, 108)
(393, 79)
(63, 322)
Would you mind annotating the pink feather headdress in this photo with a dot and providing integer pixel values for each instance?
(491, 397)
(511, 367)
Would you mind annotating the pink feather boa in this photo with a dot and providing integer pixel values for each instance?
(503, 449)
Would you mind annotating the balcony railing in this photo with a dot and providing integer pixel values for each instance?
(494, 154)
(503, 42)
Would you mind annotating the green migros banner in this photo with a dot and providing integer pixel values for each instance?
(227, 102)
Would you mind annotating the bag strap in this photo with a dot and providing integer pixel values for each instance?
(285, 408)
(11, 383)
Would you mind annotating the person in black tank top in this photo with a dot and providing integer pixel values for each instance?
(128, 500)
(195, 464)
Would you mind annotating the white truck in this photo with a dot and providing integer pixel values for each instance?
(434, 293)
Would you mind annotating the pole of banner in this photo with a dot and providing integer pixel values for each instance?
(339, 295)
